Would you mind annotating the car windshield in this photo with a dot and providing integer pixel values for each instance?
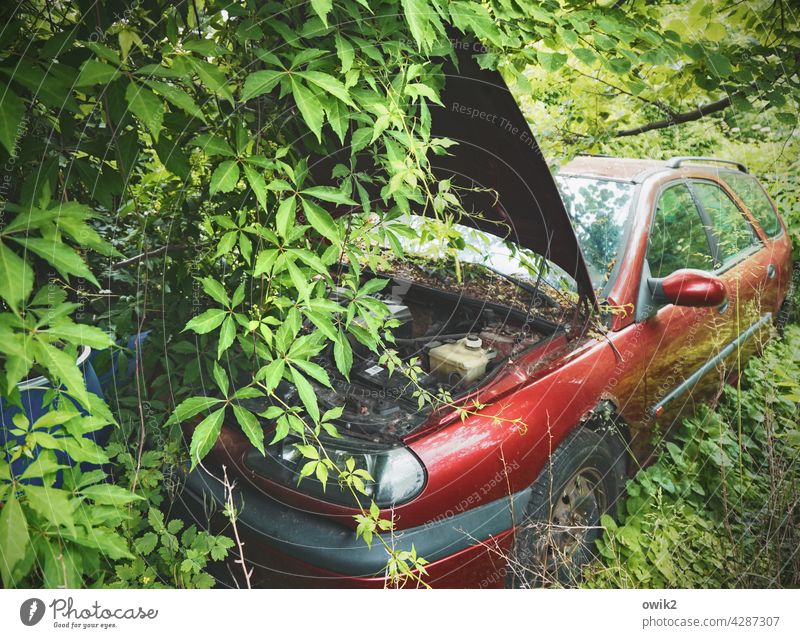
(437, 240)
(599, 210)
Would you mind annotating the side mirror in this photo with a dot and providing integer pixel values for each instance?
(687, 287)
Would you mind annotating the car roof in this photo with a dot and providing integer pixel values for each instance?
(627, 169)
(617, 168)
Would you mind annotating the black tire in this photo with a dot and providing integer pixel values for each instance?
(583, 480)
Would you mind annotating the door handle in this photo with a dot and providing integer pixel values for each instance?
(771, 271)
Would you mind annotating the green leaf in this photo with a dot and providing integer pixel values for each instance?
(63, 565)
(213, 145)
(719, 65)
(308, 451)
(79, 333)
(329, 194)
(84, 451)
(251, 426)
(172, 156)
(285, 217)
(127, 38)
(306, 393)
(192, 406)
(344, 49)
(343, 355)
(257, 183)
(416, 14)
(301, 283)
(360, 139)
(102, 51)
(310, 108)
(322, 474)
(52, 504)
(16, 277)
(206, 322)
(205, 435)
(215, 290)
(264, 262)
(314, 370)
(322, 8)
(109, 543)
(323, 323)
(206, 48)
(225, 177)
(321, 221)
(107, 494)
(94, 72)
(146, 106)
(272, 373)
(585, 55)
(212, 77)
(14, 538)
(61, 256)
(177, 97)
(259, 83)
(417, 89)
(226, 244)
(226, 335)
(551, 61)
(247, 392)
(146, 543)
(42, 466)
(329, 84)
(12, 112)
(220, 378)
(281, 430)
(338, 118)
(62, 366)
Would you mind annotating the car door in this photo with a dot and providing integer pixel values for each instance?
(738, 264)
(772, 264)
(681, 341)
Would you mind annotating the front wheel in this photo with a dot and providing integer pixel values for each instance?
(582, 481)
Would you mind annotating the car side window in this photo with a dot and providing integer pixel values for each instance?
(731, 229)
(678, 238)
(752, 194)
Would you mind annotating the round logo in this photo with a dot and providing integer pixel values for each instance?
(31, 611)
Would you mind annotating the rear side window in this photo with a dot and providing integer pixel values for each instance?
(731, 229)
(678, 238)
(750, 192)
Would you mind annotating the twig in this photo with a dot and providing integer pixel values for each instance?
(231, 513)
(149, 253)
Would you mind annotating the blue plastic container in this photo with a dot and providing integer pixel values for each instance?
(32, 394)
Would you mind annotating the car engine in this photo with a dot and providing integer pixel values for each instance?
(458, 341)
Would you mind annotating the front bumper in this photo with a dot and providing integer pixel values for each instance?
(289, 547)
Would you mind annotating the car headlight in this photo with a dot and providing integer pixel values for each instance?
(397, 472)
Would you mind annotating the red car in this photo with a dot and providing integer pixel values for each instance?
(660, 274)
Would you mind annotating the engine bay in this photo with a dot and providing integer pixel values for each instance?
(459, 342)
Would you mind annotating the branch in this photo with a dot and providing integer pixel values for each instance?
(679, 118)
(148, 254)
(657, 103)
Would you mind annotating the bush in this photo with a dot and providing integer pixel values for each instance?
(720, 507)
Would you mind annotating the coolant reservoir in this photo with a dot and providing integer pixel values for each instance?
(466, 358)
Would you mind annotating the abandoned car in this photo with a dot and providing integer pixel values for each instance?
(662, 275)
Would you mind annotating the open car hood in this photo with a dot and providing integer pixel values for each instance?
(498, 154)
